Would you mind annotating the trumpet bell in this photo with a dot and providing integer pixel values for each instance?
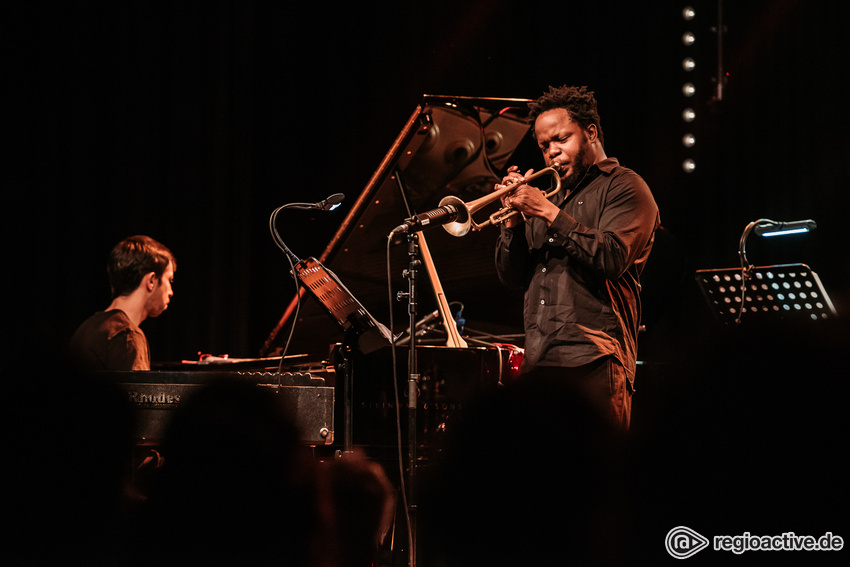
(463, 223)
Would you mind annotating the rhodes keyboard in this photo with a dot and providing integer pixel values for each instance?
(156, 395)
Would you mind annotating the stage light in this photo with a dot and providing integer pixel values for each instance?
(689, 90)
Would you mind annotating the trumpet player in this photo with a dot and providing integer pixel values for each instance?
(578, 255)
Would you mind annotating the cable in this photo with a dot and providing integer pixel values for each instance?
(291, 258)
(294, 317)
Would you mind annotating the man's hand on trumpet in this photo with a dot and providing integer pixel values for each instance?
(528, 200)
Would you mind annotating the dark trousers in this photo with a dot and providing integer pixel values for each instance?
(604, 381)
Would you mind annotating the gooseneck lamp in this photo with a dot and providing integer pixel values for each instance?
(766, 228)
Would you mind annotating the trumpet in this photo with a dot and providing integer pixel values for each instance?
(464, 221)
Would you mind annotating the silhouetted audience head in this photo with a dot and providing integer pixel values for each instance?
(532, 476)
(360, 502)
(68, 454)
(236, 487)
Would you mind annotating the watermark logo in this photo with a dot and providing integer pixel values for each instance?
(683, 542)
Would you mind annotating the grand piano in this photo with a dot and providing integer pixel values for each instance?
(467, 326)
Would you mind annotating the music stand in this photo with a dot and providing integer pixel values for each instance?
(789, 292)
(342, 306)
(359, 327)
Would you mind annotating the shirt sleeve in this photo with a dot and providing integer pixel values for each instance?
(512, 257)
(628, 217)
(128, 351)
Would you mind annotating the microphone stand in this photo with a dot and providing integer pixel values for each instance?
(412, 390)
(411, 227)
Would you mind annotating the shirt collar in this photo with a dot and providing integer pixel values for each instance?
(604, 167)
(607, 165)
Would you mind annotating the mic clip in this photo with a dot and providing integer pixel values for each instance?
(437, 217)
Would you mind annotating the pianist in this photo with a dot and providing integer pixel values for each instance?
(141, 271)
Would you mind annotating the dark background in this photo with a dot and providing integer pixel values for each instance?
(192, 121)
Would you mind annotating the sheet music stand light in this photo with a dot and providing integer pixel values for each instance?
(791, 292)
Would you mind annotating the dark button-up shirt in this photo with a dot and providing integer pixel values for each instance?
(581, 274)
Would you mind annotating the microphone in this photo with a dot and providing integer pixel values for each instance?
(422, 327)
(330, 203)
(437, 217)
(427, 319)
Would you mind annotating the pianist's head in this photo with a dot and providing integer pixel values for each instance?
(141, 263)
(132, 259)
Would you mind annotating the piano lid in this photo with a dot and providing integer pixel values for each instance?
(449, 146)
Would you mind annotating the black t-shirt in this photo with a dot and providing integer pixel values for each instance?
(108, 340)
